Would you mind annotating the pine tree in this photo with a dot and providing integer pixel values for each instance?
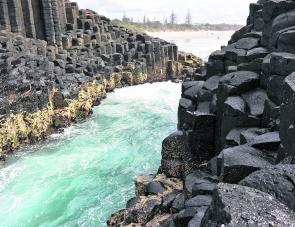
(173, 18)
(165, 21)
(188, 18)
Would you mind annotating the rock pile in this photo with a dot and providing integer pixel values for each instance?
(78, 56)
(235, 149)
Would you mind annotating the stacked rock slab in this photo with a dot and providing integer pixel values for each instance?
(235, 144)
(78, 56)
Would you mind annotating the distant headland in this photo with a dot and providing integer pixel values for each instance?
(147, 25)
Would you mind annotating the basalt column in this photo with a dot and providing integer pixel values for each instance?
(55, 17)
(49, 21)
(4, 16)
(16, 16)
(38, 19)
(72, 12)
(28, 18)
(62, 14)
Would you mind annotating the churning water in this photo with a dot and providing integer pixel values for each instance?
(80, 177)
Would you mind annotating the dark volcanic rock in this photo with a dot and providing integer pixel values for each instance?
(238, 162)
(143, 210)
(198, 177)
(193, 90)
(239, 82)
(155, 187)
(247, 43)
(255, 100)
(235, 205)
(199, 201)
(174, 145)
(287, 120)
(278, 181)
(203, 188)
(250, 134)
(233, 137)
(178, 203)
(266, 142)
(182, 218)
(212, 83)
(197, 220)
(234, 106)
(282, 63)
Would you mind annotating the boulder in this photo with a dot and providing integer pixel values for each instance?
(197, 177)
(278, 181)
(168, 200)
(250, 134)
(234, 55)
(178, 203)
(236, 205)
(254, 65)
(141, 183)
(143, 210)
(267, 142)
(185, 103)
(247, 43)
(283, 41)
(203, 188)
(174, 146)
(161, 220)
(182, 218)
(188, 84)
(259, 52)
(233, 137)
(193, 90)
(255, 101)
(214, 67)
(234, 106)
(240, 81)
(212, 83)
(238, 162)
(155, 188)
(282, 63)
(197, 220)
(199, 201)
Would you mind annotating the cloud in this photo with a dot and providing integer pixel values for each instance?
(211, 11)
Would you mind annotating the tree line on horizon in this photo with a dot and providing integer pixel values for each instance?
(171, 24)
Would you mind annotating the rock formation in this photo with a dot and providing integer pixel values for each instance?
(234, 149)
(57, 61)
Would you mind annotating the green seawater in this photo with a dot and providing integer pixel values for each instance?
(80, 177)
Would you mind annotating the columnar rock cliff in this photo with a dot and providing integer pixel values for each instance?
(234, 150)
(57, 61)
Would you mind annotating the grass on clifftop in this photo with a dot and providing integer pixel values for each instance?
(129, 26)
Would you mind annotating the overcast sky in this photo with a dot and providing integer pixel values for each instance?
(211, 11)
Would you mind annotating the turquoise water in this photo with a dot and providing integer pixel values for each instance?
(80, 177)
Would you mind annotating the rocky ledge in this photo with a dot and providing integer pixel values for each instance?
(234, 148)
(57, 62)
